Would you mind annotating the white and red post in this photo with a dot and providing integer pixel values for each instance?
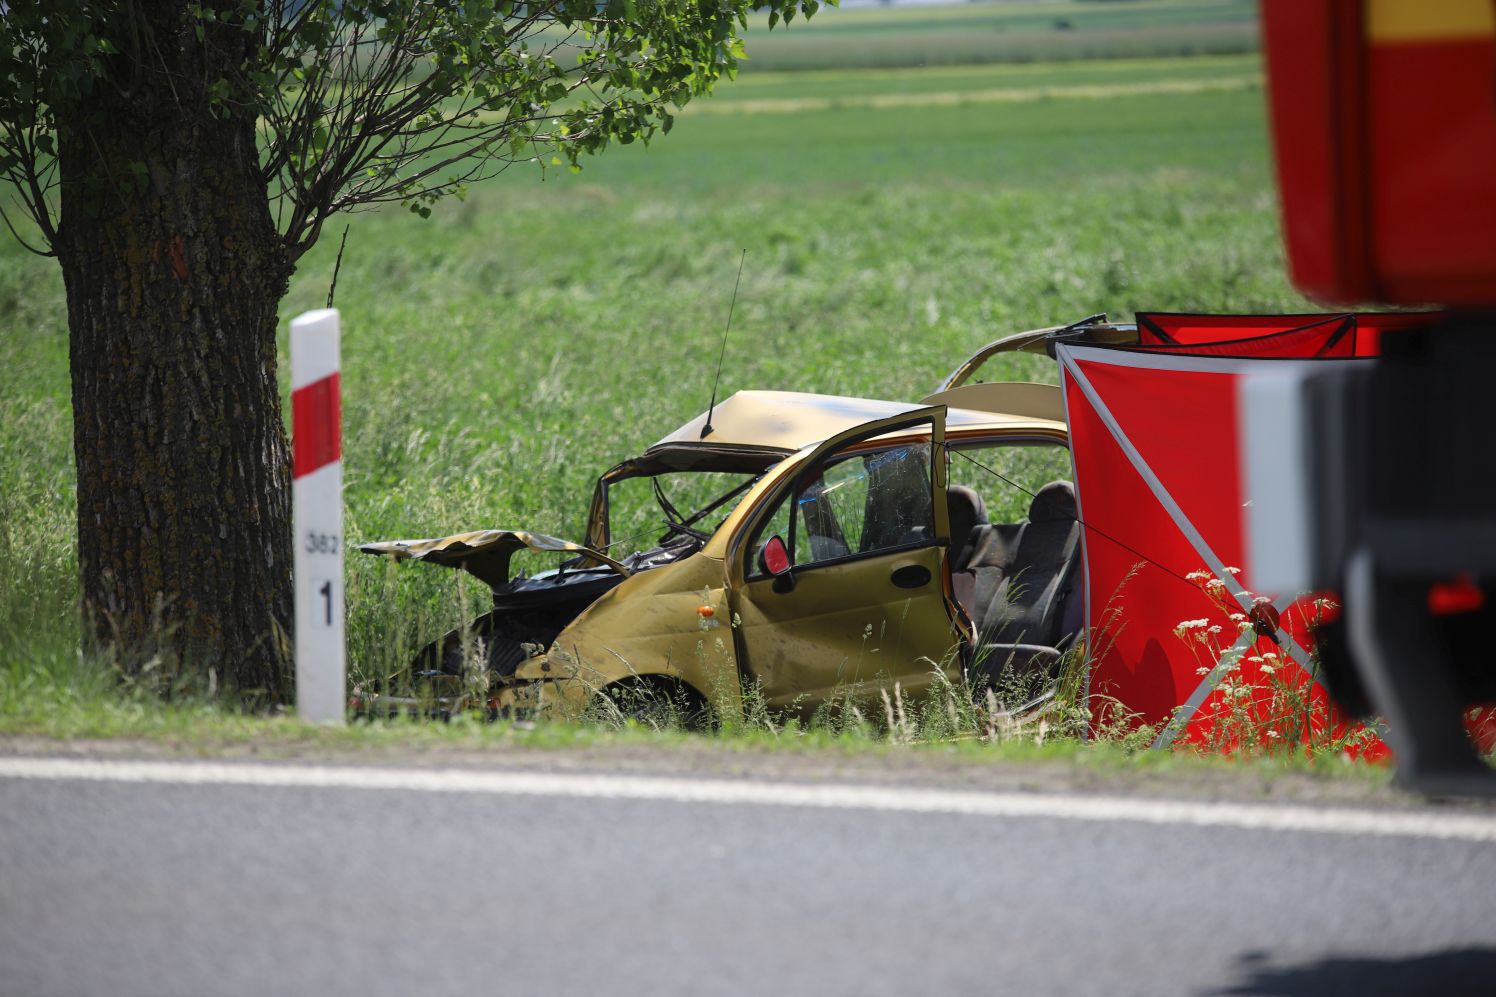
(317, 516)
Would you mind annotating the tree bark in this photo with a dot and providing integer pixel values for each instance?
(174, 270)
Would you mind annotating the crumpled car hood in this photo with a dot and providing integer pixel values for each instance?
(484, 554)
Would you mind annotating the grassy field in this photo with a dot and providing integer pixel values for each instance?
(500, 355)
(1009, 31)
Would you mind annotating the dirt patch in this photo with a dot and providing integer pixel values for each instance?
(957, 98)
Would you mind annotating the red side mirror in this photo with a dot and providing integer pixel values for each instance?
(774, 557)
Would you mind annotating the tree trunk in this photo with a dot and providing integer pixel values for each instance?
(174, 270)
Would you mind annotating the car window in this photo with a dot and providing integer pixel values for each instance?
(852, 505)
(1026, 465)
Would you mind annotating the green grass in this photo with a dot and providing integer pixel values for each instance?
(502, 354)
(864, 38)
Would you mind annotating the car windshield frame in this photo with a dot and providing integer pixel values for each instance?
(751, 463)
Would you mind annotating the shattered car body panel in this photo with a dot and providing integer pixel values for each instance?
(673, 624)
(485, 554)
(788, 421)
(1020, 398)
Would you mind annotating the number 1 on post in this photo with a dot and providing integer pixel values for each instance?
(316, 435)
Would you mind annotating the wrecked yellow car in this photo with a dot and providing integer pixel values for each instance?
(815, 560)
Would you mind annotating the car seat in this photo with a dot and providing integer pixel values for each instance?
(1025, 578)
(967, 511)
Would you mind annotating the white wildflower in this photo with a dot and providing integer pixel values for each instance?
(1185, 626)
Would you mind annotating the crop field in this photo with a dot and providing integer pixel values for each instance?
(501, 354)
(1022, 31)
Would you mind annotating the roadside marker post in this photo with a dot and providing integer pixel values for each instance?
(317, 516)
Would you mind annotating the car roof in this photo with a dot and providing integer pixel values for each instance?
(791, 420)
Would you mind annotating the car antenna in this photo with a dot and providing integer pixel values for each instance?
(706, 430)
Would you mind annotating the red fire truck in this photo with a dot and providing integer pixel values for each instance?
(1384, 125)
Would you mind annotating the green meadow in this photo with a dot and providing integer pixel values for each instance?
(501, 354)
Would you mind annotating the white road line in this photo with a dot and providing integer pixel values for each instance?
(1257, 817)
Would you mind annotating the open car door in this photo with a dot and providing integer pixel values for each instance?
(845, 581)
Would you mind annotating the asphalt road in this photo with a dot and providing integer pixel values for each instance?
(164, 889)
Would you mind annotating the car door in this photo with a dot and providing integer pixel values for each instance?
(865, 602)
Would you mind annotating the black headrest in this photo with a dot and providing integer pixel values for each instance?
(1055, 502)
(967, 510)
